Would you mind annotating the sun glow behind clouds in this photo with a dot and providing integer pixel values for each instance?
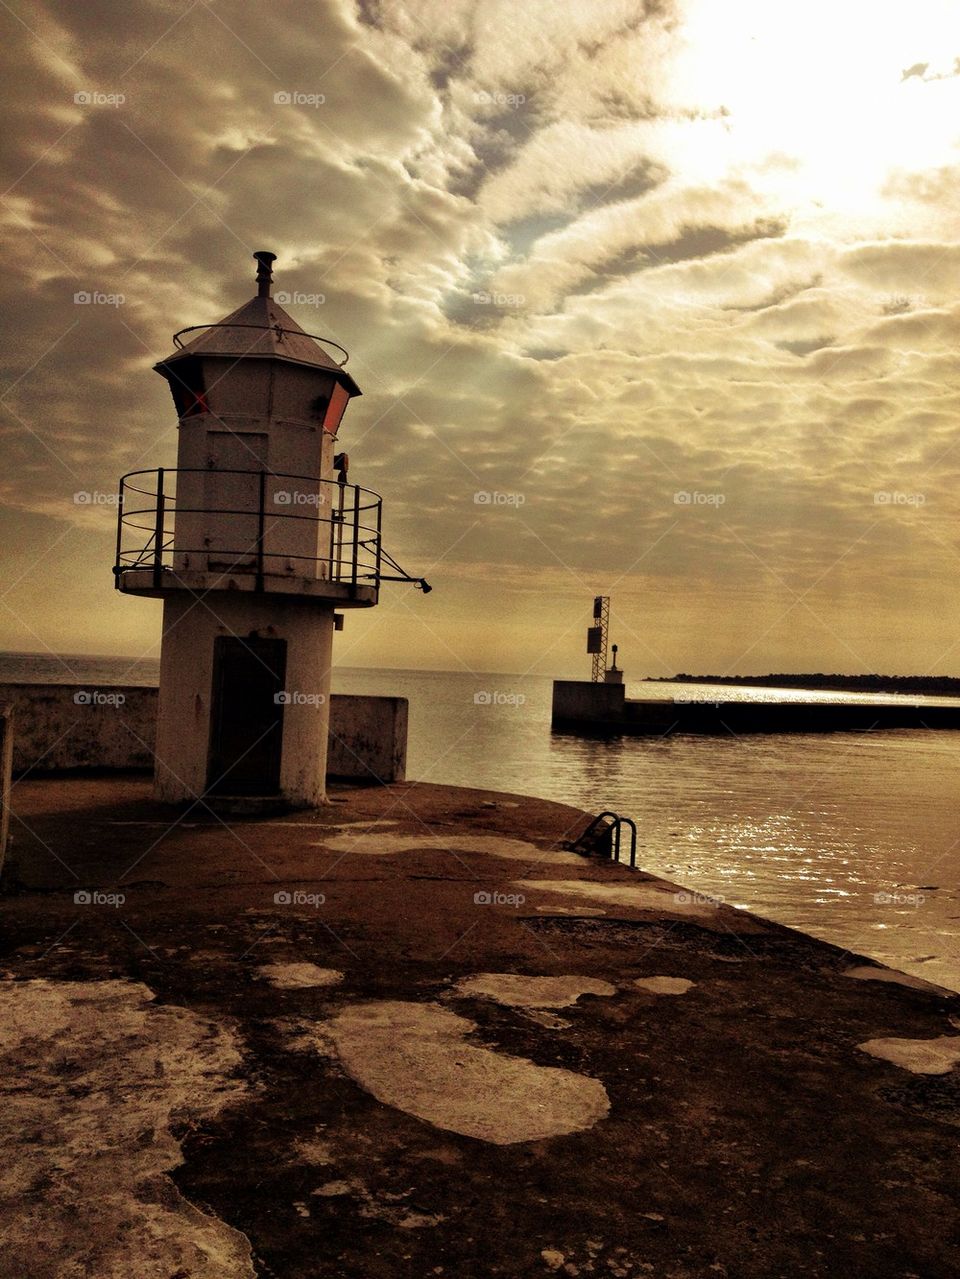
(728, 236)
(815, 95)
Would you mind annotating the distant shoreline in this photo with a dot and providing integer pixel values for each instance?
(943, 685)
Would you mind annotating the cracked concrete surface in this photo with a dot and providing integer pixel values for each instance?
(519, 850)
(299, 976)
(920, 1056)
(416, 1057)
(664, 985)
(869, 972)
(746, 1133)
(519, 991)
(640, 896)
(87, 1135)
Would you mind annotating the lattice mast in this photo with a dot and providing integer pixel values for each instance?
(597, 637)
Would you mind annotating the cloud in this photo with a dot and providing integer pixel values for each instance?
(914, 268)
(920, 71)
(580, 262)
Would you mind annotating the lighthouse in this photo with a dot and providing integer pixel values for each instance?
(254, 542)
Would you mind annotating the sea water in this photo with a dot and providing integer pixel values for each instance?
(853, 837)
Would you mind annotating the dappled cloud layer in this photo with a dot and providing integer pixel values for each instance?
(652, 298)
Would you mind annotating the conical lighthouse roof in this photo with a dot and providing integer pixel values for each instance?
(260, 329)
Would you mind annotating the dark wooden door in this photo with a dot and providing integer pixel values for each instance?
(246, 721)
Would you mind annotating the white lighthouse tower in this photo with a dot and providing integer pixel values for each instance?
(252, 542)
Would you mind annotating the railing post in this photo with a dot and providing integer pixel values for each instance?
(260, 528)
(356, 532)
(376, 565)
(336, 545)
(158, 531)
(116, 562)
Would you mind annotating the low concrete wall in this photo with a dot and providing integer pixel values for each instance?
(579, 702)
(66, 726)
(6, 767)
(70, 727)
(368, 738)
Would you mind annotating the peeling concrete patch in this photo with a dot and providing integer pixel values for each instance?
(316, 1151)
(334, 1189)
(866, 972)
(343, 828)
(579, 912)
(415, 1057)
(596, 1257)
(96, 1077)
(664, 985)
(921, 1056)
(639, 896)
(299, 976)
(300, 1036)
(417, 1220)
(549, 1021)
(385, 1207)
(521, 850)
(517, 990)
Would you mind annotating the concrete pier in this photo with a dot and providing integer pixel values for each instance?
(7, 724)
(582, 706)
(412, 1034)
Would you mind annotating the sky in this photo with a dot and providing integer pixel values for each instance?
(652, 299)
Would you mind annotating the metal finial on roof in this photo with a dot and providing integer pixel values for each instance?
(265, 261)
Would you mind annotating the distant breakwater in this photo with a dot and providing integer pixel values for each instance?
(924, 685)
(581, 706)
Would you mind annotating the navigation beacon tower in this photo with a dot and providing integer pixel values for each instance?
(252, 542)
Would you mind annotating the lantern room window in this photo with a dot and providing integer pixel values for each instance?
(330, 408)
(189, 391)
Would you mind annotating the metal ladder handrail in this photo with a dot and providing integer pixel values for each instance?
(616, 830)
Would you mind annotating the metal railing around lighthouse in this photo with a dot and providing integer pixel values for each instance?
(254, 523)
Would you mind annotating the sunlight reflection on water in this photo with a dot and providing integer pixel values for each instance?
(852, 837)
